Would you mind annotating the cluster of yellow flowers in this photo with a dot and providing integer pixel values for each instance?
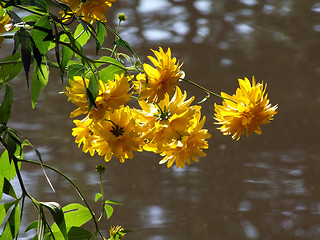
(88, 10)
(166, 123)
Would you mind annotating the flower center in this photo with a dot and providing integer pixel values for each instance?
(246, 117)
(117, 130)
(162, 114)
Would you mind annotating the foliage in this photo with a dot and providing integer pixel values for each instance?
(167, 123)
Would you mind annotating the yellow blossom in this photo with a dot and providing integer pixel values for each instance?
(4, 19)
(156, 82)
(117, 230)
(246, 111)
(84, 135)
(187, 147)
(165, 120)
(115, 93)
(112, 95)
(117, 134)
(89, 10)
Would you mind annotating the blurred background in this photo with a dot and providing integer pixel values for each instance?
(263, 187)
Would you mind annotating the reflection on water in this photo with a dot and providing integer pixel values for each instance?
(263, 187)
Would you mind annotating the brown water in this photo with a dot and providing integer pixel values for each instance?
(263, 187)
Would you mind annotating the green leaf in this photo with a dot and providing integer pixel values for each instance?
(109, 60)
(109, 210)
(39, 80)
(4, 208)
(58, 216)
(90, 99)
(42, 34)
(107, 74)
(98, 196)
(7, 168)
(8, 189)
(122, 43)
(67, 54)
(10, 67)
(32, 225)
(94, 86)
(78, 233)
(76, 69)
(5, 108)
(12, 225)
(75, 216)
(204, 99)
(101, 35)
(81, 34)
(25, 41)
(113, 202)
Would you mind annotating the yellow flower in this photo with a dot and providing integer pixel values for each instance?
(249, 109)
(115, 93)
(77, 94)
(188, 147)
(112, 95)
(117, 135)
(89, 10)
(4, 19)
(117, 230)
(156, 82)
(84, 135)
(165, 120)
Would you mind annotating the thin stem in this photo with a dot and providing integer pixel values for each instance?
(74, 186)
(207, 90)
(102, 196)
(29, 10)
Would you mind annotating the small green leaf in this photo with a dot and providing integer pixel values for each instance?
(5, 108)
(81, 34)
(94, 86)
(58, 216)
(10, 67)
(113, 202)
(107, 74)
(101, 35)
(98, 196)
(67, 54)
(122, 43)
(109, 60)
(76, 69)
(78, 233)
(7, 168)
(39, 81)
(90, 99)
(204, 99)
(8, 189)
(25, 40)
(32, 225)
(109, 210)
